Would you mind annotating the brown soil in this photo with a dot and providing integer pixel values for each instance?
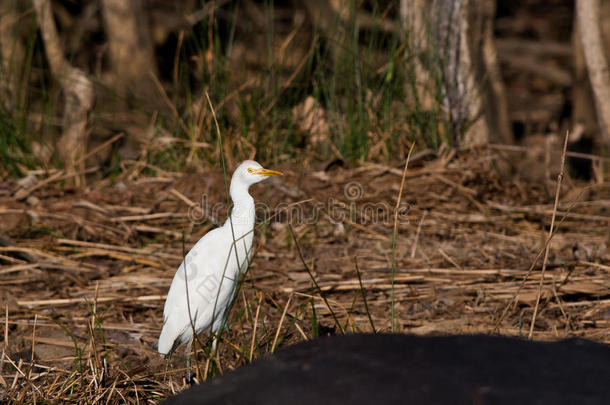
(89, 267)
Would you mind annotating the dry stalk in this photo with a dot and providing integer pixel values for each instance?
(395, 231)
(5, 346)
(33, 346)
(515, 296)
(366, 304)
(279, 326)
(313, 279)
(129, 263)
(548, 244)
(258, 309)
(421, 222)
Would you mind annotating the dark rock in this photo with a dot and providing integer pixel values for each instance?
(404, 369)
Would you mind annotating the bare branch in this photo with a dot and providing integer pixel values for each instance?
(77, 90)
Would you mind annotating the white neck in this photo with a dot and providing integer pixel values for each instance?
(241, 223)
(239, 192)
(242, 215)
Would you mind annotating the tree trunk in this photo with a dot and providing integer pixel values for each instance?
(77, 90)
(11, 51)
(130, 46)
(458, 34)
(592, 47)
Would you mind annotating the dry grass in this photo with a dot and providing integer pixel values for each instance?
(83, 287)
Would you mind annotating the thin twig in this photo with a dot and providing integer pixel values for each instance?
(421, 222)
(279, 326)
(395, 232)
(366, 305)
(191, 320)
(33, 345)
(548, 245)
(228, 198)
(258, 309)
(313, 278)
(5, 349)
(515, 296)
(99, 148)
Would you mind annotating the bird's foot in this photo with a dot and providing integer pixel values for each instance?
(189, 379)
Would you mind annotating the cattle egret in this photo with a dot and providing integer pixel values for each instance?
(204, 285)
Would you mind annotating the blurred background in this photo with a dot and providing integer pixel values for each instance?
(112, 83)
(115, 115)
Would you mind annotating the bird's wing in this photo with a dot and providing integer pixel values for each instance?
(207, 289)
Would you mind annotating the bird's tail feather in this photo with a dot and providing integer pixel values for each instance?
(168, 340)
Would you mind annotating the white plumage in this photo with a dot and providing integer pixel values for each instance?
(213, 267)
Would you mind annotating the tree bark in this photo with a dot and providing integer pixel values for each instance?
(77, 90)
(415, 19)
(11, 50)
(130, 46)
(458, 34)
(495, 91)
(588, 21)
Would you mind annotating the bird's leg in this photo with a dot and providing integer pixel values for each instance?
(214, 345)
(187, 354)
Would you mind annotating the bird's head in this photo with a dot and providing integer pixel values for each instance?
(251, 172)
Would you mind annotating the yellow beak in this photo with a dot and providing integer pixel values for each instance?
(267, 172)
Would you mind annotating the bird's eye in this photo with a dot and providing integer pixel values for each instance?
(250, 170)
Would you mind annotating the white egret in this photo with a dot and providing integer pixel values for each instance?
(204, 285)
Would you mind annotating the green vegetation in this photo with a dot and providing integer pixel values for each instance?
(347, 93)
(12, 147)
